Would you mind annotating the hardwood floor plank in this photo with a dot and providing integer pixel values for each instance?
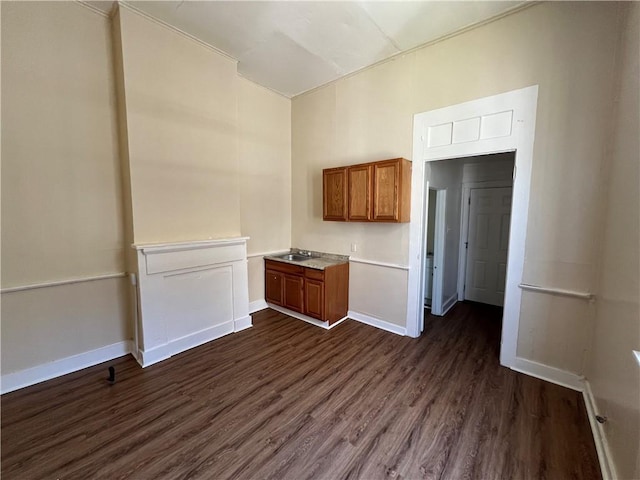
(287, 400)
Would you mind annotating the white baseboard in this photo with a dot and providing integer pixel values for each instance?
(449, 303)
(550, 374)
(607, 467)
(305, 318)
(242, 324)
(179, 345)
(376, 322)
(57, 368)
(257, 305)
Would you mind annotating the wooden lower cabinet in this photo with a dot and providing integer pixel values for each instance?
(314, 298)
(273, 288)
(320, 294)
(293, 293)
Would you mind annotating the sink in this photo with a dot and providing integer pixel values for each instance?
(294, 257)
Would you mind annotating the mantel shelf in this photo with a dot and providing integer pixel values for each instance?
(149, 248)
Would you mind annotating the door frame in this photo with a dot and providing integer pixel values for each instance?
(464, 226)
(470, 129)
(439, 240)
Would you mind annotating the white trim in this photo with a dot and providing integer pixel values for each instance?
(636, 354)
(449, 303)
(168, 26)
(164, 302)
(69, 281)
(557, 291)
(549, 374)
(179, 345)
(439, 241)
(57, 368)
(268, 89)
(523, 104)
(96, 10)
(305, 318)
(150, 248)
(379, 264)
(425, 241)
(273, 252)
(257, 305)
(376, 322)
(607, 466)
(240, 324)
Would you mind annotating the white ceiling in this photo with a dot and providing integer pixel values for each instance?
(295, 46)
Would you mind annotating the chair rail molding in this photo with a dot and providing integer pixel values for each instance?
(58, 283)
(189, 293)
(558, 291)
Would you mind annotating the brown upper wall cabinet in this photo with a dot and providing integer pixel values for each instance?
(334, 188)
(369, 192)
(360, 194)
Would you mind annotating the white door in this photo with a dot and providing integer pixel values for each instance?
(487, 245)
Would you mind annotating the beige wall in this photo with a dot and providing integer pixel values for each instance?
(47, 324)
(185, 150)
(613, 373)
(372, 291)
(61, 199)
(264, 136)
(565, 48)
(181, 113)
(61, 208)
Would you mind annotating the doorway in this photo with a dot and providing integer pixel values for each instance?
(450, 186)
(499, 123)
(434, 248)
(428, 264)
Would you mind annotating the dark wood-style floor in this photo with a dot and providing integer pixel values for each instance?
(287, 400)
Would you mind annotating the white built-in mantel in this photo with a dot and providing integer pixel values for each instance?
(189, 293)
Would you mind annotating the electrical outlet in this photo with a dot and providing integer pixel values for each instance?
(354, 247)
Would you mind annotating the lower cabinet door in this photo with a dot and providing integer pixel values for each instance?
(293, 297)
(273, 287)
(314, 299)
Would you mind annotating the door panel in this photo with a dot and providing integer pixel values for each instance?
(505, 221)
(487, 248)
(480, 275)
(314, 298)
(293, 286)
(481, 232)
(273, 290)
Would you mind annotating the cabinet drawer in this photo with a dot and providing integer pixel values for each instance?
(283, 267)
(314, 274)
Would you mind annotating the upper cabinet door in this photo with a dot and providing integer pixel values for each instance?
(392, 190)
(386, 183)
(360, 193)
(335, 194)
